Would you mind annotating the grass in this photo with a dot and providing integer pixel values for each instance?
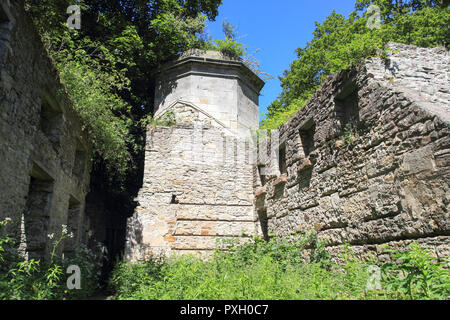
(30, 279)
(293, 268)
(279, 270)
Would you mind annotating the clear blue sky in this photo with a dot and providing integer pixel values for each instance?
(277, 28)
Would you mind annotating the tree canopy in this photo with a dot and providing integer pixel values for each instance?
(107, 67)
(340, 42)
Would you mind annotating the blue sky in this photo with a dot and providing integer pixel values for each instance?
(277, 28)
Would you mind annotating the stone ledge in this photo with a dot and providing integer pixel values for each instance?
(306, 164)
(170, 238)
(260, 192)
(280, 181)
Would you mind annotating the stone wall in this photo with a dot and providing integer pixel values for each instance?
(367, 159)
(365, 162)
(44, 153)
(423, 72)
(197, 189)
(198, 177)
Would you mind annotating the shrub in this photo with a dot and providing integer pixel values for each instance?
(277, 269)
(297, 267)
(30, 279)
(416, 274)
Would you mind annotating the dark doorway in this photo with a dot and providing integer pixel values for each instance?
(37, 213)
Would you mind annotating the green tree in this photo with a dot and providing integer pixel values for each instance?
(229, 46)
(107, 67)
(340, 42)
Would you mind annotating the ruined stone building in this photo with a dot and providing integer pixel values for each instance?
(198, 186)
(365, 162)
(44, 153)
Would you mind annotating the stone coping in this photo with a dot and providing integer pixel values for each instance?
(212, 61)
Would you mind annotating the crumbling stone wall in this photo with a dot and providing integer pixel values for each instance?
(367, 160)
(422, 72)
(44, 153)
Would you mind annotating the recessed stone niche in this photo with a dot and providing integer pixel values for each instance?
(51, 123)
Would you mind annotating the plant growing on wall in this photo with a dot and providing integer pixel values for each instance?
(415, 273)
(232, 48)
(166, 120)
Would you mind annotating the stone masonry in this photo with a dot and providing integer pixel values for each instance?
(198, 178)
(367, 160)
(222, 87)
(44, 153)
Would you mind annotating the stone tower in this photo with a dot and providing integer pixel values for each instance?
(198, 176)
(223, 88)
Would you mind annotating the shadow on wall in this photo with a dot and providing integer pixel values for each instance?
(164, 90)
(305, 169)
(304, 177)
(263, 222)
(5, 31)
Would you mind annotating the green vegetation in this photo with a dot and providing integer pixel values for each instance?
(31, 279)
(416, 275)
(297, 267)
(340, 42)
(166, 120)
(229, 46)
(108, 69)
(278, 269)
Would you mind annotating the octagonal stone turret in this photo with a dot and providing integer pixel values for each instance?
(224, 88)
